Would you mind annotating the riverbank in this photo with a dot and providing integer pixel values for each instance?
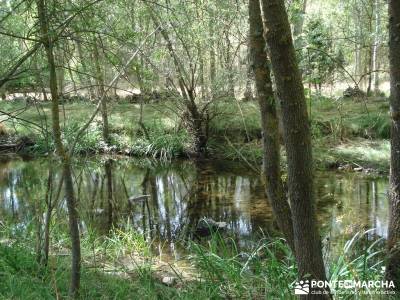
(347, 135)
(120, 266)
(145, 246)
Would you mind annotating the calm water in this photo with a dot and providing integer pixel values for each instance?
(181, 193)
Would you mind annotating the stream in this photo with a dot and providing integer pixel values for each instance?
(178, 194)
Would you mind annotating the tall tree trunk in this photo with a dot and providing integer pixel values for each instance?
(101, 91)
(48, 45)
(248, 92)
(375, 51)
(297, 140)
(269, 123)
(357, 45)
(47, 220)
(370, 54)
(229, 60)
(393, 243)
(213, 64)
(60, 70)
(110, 193)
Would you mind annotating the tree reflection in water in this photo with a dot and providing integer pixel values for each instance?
(179, 194)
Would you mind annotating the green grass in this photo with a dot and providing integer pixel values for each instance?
(121, 266)
(337, 126)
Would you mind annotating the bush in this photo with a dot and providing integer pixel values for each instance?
(161, 143)
(374, 125)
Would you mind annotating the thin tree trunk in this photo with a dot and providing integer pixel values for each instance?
(269, 123)
(393, 242)
(66, 165)
(229, 60)
(49, 206)
(101, 91)
(110, 192)
(375, 63)
(357, 45)
(60, 71)
(297, 141)
(213, 65)
(248, 93)
(370, 57)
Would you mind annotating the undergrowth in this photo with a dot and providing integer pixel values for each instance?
(121, 266)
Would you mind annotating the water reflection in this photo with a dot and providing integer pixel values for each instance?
(164, 201)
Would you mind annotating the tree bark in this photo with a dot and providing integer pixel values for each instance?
(101, 91)
(48, 45)
(213, 64)
(110, 193)
(375, 63)
(269, 124)
(229, 60)
(297, 141)
(393, 243)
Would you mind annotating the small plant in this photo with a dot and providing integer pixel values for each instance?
(265, 270)
(375, 125)
(160, 143)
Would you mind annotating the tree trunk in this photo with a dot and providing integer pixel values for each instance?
(297, 141)
(229, 60)
(370, 55)
(357, 45)
(213, 65)
(196, 121)
(101, 91)
(269, 124)
(393, 243)
(375, 51)
(110, 193)
(248, 92)
(47, 220)
(74, 230)
(66, 165)
(60, 71)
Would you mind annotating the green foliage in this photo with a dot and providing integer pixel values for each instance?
(90, 141)
(161, 143)
(317, 58)
(372, 125)
(267, 270)
(21, 277)
(359, 260)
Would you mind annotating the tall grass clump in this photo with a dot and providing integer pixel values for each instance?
(266, 270)
(360, 259)
(374, 125)
(160, 142)
(89, 142)
(120, 265)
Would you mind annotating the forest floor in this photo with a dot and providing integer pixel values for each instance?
(121, 266)
(347, 134)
